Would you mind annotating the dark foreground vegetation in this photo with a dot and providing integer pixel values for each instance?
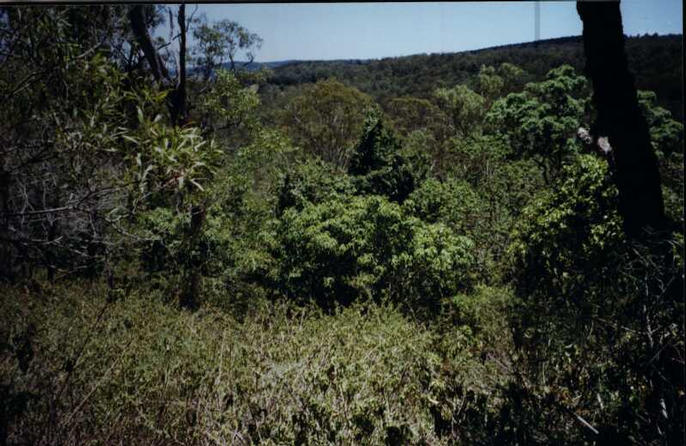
(232, 257)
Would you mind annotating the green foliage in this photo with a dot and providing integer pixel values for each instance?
(381, 167)
(221, 41)
(489, 83)
(511, 74)
(136, 371)
(305, 195)
(655, 61)
(593, 309)
(239, 219)
(366, 248)
(326, 118)
(541, 122)
(464, 107)
(228, 105)
(408, 114)
(163, 157)
(667, 138)
(567, 236)
(311, 182)
(452, 202)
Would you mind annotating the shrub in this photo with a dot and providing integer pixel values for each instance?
(452, 202)
(363, 247)
(381, 167)
(77, 369)
(311, 182)
(598, 320)
(567, 237)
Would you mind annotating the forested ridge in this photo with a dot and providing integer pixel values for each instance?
(474, 248)
(655, 60)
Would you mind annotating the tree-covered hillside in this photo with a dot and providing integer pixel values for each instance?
(655, 61)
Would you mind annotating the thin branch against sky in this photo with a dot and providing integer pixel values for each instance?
(374, 30)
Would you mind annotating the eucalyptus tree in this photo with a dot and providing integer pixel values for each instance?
(221, 41)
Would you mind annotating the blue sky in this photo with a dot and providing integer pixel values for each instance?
(376, 30)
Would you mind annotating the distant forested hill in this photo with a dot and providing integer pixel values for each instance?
(655, 60)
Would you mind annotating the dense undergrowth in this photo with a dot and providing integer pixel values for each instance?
(83, 368)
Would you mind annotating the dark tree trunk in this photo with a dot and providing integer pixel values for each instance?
(140, 30)
(192, 273)
(177, 98)
(180, 93)
(620, 119)
(641, 205)
(6, 252)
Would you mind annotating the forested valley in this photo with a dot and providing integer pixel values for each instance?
(474, 248)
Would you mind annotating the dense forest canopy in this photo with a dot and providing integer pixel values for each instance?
(655, 61)
(434, 249)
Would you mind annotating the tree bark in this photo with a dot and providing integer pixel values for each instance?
(180, 93)
(620, 119)
(177, 99)
(159, 71)
(192, 274)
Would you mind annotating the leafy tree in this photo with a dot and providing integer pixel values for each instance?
(364, 247)
(177, 100)
(585, 296)
(620, 119)
(452, 202)
(78, 192)
(326, 119)
(408, 114)
(464, 107)
(54, 183)
(380, 166)
(512, 76)
(223, 40)
(655, 61)
(667, 139)
(641, 206)
(541, 122)
(666, 134)
(489, 83)
(312, 182)
(229, 107)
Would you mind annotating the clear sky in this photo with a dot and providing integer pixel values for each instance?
(376, 30)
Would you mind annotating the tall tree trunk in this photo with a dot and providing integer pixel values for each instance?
(192, 274)
(140, 31)
(180, 93)
(6, 251)
(177, 99)
(640, 204)
(620, 119)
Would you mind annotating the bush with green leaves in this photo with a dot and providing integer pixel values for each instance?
(365, 247)
(595, 319)
(666, 134)
(79, 368)
(541, 122)
(381, 166)
(667, 138)
(452, 202)
(313, 182)
(567, 236)
(325, 119)
(240, 217)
